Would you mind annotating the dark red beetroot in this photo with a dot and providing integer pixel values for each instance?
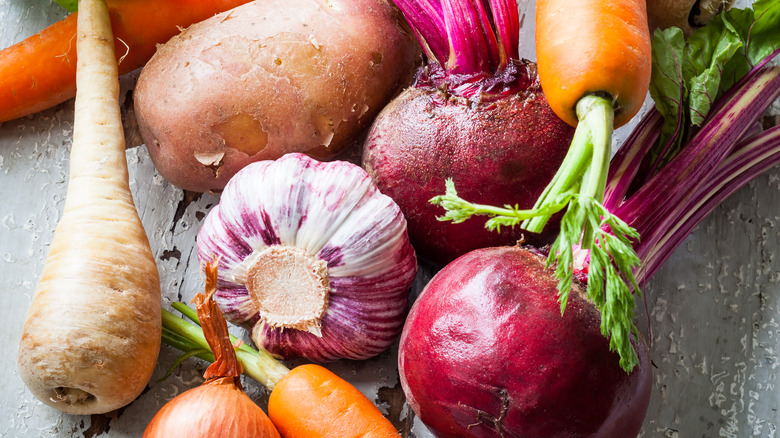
(500, 150)
(476, 114)
(485, 352)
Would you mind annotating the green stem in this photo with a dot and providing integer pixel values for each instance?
(459, 210)
(184, 344)
(187, 311)
(258, 364)
(192, 315)
(585, 168)
(598, 114)
(574, 164)
(203, 354)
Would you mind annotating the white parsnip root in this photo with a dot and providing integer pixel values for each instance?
(92, 334)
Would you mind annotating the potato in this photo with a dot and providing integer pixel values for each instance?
(268, 78)
(688, 15)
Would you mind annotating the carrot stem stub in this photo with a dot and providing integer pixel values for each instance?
(586, 165)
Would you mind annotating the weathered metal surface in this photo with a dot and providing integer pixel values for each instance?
(714, 309)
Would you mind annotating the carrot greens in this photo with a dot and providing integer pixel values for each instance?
(698, 145)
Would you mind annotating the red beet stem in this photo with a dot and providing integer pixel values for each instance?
(678, 187)
(472, 39)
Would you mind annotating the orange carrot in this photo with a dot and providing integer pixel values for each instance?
(40, 72)
(593, 47)
(308, 401)
(332, 407)
(594, 65)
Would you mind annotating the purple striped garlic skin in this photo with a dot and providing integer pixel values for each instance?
(314, 260)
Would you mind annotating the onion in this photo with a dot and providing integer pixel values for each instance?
(688, 15)
(315, 261)
(219, 407)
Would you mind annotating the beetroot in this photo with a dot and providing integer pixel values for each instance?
(476, 114)
(485, 352)
(498, 151)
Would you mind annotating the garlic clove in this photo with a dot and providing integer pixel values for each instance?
(313, 213)
(231, 295)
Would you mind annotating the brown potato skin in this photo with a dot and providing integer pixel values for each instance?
(268, 78)
(662, 14)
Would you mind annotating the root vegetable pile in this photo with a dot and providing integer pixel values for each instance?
(529, 328)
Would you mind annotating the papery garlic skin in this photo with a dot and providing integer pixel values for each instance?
(333, 213)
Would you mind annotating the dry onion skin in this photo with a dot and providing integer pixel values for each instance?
(219, 407)
(314, 259)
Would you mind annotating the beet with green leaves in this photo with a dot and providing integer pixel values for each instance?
(477, 116)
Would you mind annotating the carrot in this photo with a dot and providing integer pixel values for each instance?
(594, 65)
(92, 333)
(308, 401)
(332, 406)
(593, 47)
(40, 72)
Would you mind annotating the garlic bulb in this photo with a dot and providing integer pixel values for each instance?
(314, 260)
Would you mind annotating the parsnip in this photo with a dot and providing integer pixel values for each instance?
(92, 334)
